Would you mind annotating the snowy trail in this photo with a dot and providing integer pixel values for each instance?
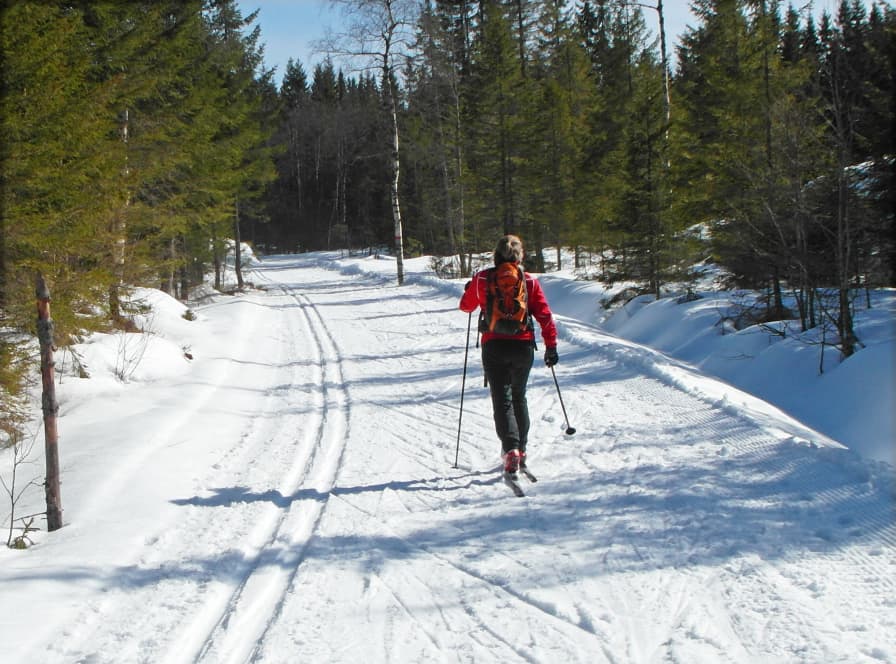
(320, 518)
(260, 593)
(208, 569)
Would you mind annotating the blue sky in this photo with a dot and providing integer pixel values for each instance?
(288, 27)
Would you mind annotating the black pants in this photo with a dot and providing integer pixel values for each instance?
(507, 364)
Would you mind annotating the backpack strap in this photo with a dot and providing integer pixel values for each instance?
(489, 278)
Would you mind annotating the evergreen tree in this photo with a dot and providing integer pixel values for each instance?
(243, 160)
(628, 146)
(596, 24)
(457, 18)
(287, 194)
(844, 210)
(435, 150)
(150, 53)
(560, 185)
(721, 94)
(53, 133)
(332, 186)
(496, 98)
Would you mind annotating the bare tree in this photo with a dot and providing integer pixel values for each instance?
(377, 34)
(21, 449)
(50, 404)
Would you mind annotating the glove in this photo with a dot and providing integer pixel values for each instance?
(550, 357)
(467, 286)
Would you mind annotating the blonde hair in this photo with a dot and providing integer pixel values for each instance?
(509, 250)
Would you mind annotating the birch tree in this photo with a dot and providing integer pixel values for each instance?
(377, 34)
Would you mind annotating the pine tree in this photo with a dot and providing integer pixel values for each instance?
(629, 146)
(457, 18)
(566, 93)
(243, 160)
(723, 138)
(286, 206)
(495, 101)
(149, 52)
(435, 149)
(326, 142)
(171, 156)
(53, 130)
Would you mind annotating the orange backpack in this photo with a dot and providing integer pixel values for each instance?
(506, 310)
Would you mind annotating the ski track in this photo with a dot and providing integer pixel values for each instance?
(234, 597)
(116, 627)
(258, 600)
(500, 590)
(669, 529)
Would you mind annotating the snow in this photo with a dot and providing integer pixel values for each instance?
(274, 481)
(852, 402)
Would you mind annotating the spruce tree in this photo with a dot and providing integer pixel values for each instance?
(242, 156)
(53, 131)
(286, 206)
(725, 122)
(148, 52)
(566, 93)
(434, 147)
(496, 99)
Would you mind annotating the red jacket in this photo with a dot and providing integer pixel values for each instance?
(476, 296)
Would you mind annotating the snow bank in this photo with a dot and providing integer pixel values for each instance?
(850, 401)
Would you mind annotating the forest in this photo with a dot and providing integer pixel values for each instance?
(142, 142)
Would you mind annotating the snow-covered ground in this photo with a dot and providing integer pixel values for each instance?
(274, 482)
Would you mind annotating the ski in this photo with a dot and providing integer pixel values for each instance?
(514, 485)
(529, 475)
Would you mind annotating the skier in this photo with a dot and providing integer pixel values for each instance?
(508, 344)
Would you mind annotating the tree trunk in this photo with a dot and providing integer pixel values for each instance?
(119, 234)
(845, 327)
(393, 188)
(667, 97)
(50, 406)
(237, 247)
(2, 263)
(521, 36)
(296, 156)
(184, 278)
(777, 299)
(216, 260)
(843, 244)
(172, 252)
(450, 222)
(458, 161)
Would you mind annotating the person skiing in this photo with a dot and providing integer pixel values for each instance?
(508, 342)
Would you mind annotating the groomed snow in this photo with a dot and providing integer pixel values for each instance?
(287, 493)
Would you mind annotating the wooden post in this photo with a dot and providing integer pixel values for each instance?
(49, 404)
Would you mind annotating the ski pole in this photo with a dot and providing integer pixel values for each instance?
(569, 429)
(463, 386)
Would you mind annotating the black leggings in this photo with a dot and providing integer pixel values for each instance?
(507, 364)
